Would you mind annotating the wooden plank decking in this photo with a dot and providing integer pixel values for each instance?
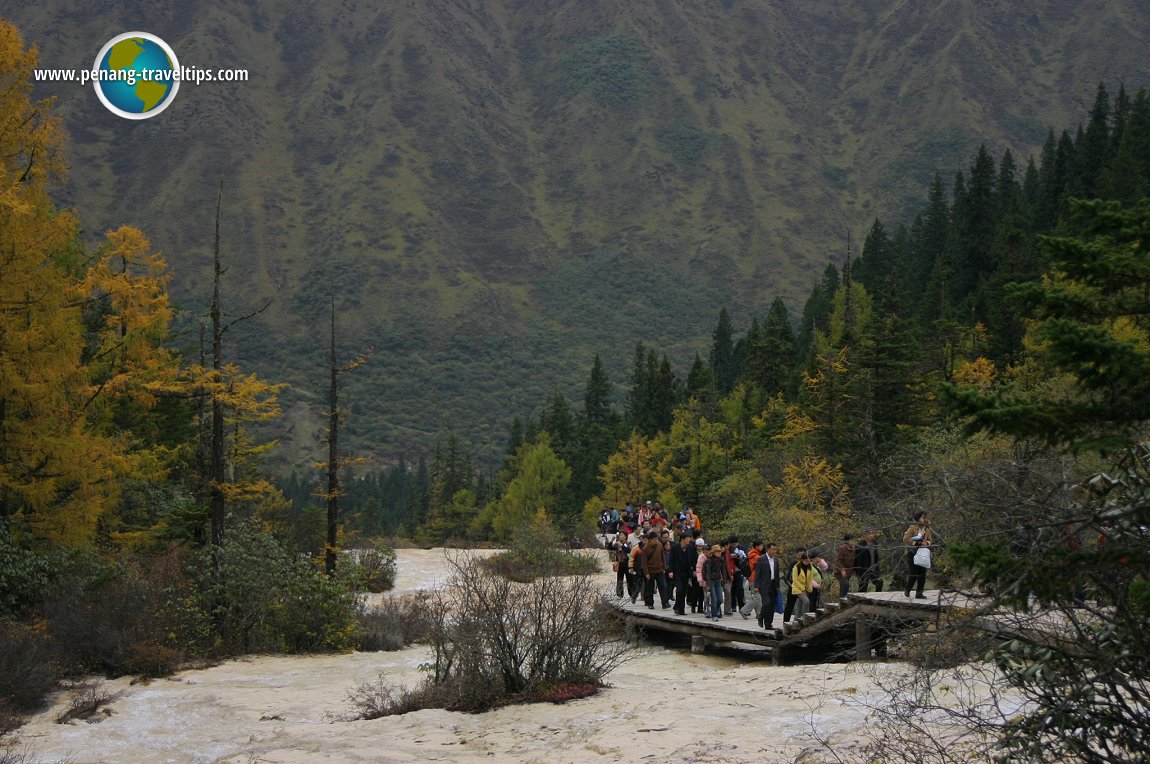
(857, 610)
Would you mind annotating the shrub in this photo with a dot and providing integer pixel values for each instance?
(25, 573)
(613, 69)
(316, 612)
(511, 643)
(98, 613)
(133, 617)
(264, 599)
(685, 143)
(549, 562)
(536, 552)
(87, 699)
(12, 752)
(26, 673)
(394, 624)
(371, 570)
(148, 659)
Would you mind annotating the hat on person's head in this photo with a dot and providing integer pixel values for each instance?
(716, 548)
(700, 542)
(648, 501)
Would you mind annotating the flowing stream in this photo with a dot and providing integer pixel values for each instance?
(666, 704)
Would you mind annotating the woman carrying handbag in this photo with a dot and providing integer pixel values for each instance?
(918, 539)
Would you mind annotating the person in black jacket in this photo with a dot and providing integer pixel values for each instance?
(767, 572)
(867, 562)
(683, 557)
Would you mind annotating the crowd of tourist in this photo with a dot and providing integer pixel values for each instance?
(664, 556)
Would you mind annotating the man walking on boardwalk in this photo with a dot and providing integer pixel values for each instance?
(682, 568)
(656, 567)
(767, 583)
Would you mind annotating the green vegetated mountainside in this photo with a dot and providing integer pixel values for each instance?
(495, 190)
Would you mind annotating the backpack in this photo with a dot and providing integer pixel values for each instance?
(742, 564)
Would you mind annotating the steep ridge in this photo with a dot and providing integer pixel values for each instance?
(497, 189)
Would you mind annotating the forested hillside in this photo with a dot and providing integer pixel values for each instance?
(846, 408)
(494, 192)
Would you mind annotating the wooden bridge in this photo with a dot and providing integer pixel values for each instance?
(870, 615)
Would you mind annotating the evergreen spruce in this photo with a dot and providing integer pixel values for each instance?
(778, 341)
(817, 309)
(722, 358)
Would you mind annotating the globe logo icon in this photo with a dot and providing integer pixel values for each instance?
(136, 75)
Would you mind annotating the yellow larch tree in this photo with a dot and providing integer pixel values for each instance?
(56, 473)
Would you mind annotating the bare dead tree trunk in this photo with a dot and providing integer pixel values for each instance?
(217, 476)
(332, 455)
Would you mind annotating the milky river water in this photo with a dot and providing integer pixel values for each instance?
(663, 705)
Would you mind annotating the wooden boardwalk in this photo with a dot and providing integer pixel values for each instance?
(862, 612)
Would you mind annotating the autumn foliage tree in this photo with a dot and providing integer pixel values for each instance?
(59, 469)
(91, 397)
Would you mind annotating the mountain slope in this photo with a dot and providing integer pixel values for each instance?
(497, 189)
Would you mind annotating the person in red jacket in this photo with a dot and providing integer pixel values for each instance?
(754, 601)
(729, 561)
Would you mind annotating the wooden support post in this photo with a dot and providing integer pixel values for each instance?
(777, 655)
(863, 643)
(698, 644)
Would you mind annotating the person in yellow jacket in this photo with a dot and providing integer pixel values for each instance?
(802, 578)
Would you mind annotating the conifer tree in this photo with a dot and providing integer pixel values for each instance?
(598, 433)
(930, 241)
(877, 259)
(418, 499)
(1127, 178)
(1031, 189)
(639, 394)
(1119, 115)
(722, 358)
(1007, 190)
(537, 479)
(230, 395)
(779, 347)
(817, 309)
(665, 395)
(833, 396)
(749, 349)
(1051, 182)
(1094, 327)
(977, 217)
(515, 439)
(1093, 149)
(885, 360)
(559, 422)
(597, 395)
(699, 380)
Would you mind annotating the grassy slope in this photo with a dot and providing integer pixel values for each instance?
(497, 190)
